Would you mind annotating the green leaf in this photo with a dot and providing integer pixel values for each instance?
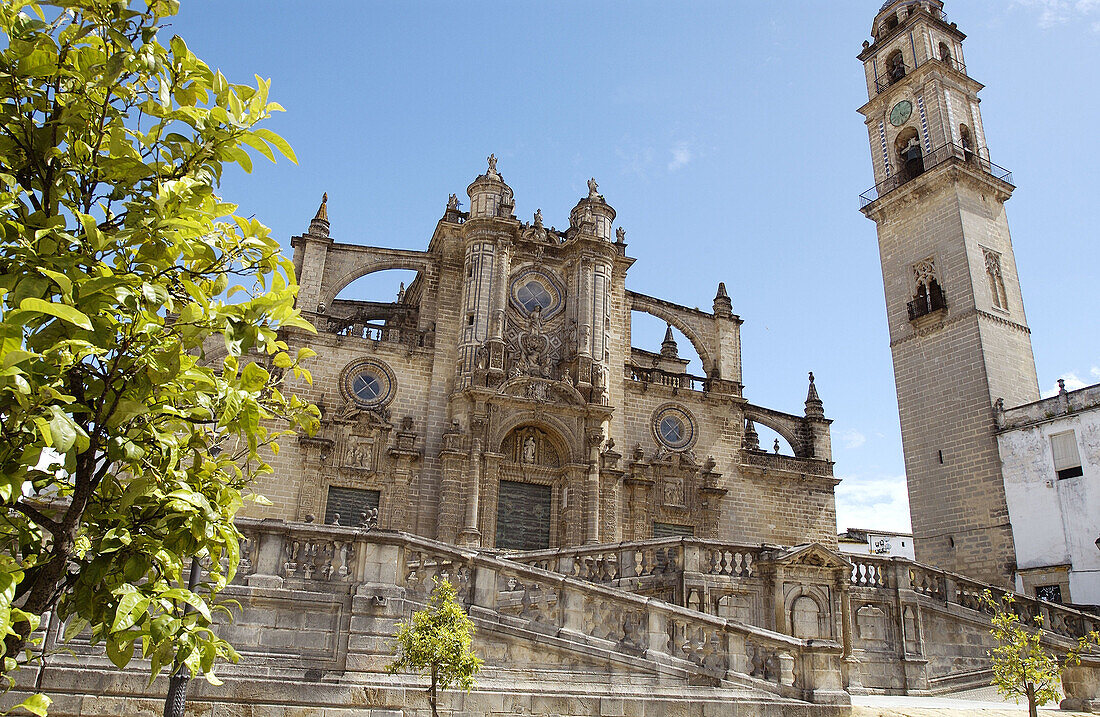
(61, 280)
(60, 311)
(131, 607)
(120, 651)
(37, 704)
(278, 142)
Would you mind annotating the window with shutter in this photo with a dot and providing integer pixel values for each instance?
(1067, 461)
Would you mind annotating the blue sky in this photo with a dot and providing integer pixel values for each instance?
(726, 136)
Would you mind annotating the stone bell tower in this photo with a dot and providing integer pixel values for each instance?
(958, 334)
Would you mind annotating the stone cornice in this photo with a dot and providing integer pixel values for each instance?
(923, 331)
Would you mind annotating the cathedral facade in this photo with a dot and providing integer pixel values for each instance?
(499, 401)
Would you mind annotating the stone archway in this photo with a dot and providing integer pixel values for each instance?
(528, 489)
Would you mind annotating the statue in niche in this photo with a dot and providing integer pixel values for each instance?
(481, 358)
(529, 453)
(597, 376)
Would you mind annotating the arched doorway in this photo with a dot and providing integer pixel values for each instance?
(527, 494)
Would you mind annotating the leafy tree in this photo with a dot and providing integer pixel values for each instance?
(1022, 667)
(126, 450)
(438, 639)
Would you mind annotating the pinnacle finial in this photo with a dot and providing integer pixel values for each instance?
(668, 345)
(723, 307)
(751, 440)
(814, 407)
(319, 225)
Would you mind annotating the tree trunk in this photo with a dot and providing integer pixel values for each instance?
(1032, 708)
(432, 692)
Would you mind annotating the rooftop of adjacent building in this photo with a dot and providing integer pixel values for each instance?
(1064, 403)
(860, 535)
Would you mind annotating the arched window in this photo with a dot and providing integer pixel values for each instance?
(928, 296)
(945, 53)
(966, 141)
(996, 279)
(895, 66)
(910, 157)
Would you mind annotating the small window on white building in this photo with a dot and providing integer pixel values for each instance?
(1050, 593)
(1067, 461)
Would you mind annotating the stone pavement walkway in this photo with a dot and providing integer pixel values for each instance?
(983, 701)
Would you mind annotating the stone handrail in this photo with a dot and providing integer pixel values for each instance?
(791, 464)
(508, 593)
(951, 588)
(608, 562)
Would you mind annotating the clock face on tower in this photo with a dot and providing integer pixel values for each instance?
(901, 113)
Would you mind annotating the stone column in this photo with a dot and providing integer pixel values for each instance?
(849, 664)
(500, 289)
(595, 439)
(470, 534)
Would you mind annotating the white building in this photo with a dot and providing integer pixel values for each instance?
(1050, 453)
(857, 541)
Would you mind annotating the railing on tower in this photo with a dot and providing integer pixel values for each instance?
(927, 303)
(946, 153)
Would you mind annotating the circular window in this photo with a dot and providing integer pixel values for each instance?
(533, 295)
(368, 383)
(533, 290)
(673, 427)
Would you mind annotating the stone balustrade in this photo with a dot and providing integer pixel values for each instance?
(564, 594)
(954, 589)
(789, 464)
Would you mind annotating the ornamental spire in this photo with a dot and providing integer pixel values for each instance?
(814, 407)
(319, 226)
(668, 346)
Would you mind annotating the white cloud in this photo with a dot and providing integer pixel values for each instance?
(681, 156)
(1095, 371)
(873, 502)
(635, 160)
(1060, 12)
(1073, 382)
(852, 438)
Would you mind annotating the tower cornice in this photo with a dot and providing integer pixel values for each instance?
(934, 180)
(930, 70)
(914, 19)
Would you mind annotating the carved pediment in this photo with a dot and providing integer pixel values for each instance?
(542, 390)
(812, 555)
(352, 413)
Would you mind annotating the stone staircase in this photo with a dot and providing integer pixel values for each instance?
(676, 626)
